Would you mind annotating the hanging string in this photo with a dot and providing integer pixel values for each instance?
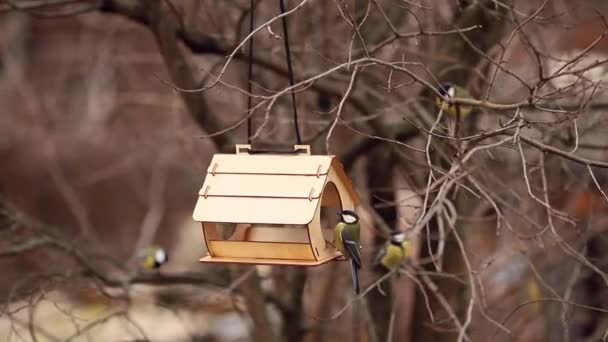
(290, 73)
(249, 84)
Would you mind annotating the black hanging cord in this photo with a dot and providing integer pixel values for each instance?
(249, 98)
(290, 72)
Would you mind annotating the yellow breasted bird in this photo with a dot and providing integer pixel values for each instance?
(397, 250)
(346, 239)
(455, 112)
(449, 91)
(153, 257)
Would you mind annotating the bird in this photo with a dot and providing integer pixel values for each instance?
(153, 257)
(454, 111)
(397, 250)
(346, 239)
(449, 90)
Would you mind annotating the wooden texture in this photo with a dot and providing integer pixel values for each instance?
(317, 238)
(255, 210)
(328, 234)
(261, 250)
(260, 233)
(279, 234)
(331, 197)
(241, 232)
(212, 232)
(272, 262)
(257, 191)
(240, 185)
(346, 183)
(269, 164)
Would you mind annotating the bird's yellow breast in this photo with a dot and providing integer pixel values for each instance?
(452, 109)
(393, 257)
(338, 238)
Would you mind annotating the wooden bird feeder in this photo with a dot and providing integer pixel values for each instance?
(270, 203)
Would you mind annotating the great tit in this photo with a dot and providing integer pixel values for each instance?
(449, 90)
(397, 250)
(153, 257)
(346, 239)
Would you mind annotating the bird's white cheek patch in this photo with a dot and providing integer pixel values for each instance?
(161, 256)
(349, 219)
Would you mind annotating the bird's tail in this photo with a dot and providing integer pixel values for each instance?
(354, 269)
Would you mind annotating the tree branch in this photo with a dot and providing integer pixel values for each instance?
(182, 73)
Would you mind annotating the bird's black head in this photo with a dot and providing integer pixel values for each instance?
(348, 216)
(446, 89)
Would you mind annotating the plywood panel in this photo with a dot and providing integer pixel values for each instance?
(256, 189)
(345, 182)
(255, 210)
(269, 164)
(278, 262)
(261, 250)
(346, 192)
(328, 234)
(262, 185)
(331, 198)
(278, 234)
(317, 234)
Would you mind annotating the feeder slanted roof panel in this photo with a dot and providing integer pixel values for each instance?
(267, 189)
(270, 164)
(276, 186)
(255, 210)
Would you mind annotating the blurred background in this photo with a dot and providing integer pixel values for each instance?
(103, 152)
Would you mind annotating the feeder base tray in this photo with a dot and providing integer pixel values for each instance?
(258, 261)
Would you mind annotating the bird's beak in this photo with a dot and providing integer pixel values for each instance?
(339, 213)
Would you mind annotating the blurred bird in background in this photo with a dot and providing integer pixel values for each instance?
(396, 251)
(455, 112)
(346, 239)
(534, 293)
(152, 258)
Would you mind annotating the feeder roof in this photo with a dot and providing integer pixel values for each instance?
(264, 188)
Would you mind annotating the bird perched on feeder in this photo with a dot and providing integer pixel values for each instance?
(454, 111)
(397, 250)
(153, 257)
(346, 239)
